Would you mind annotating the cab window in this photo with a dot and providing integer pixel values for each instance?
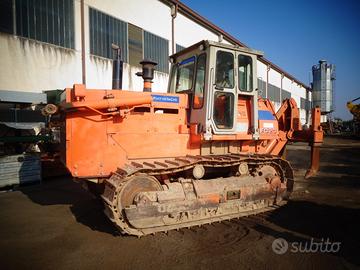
(224, 69)
(245, 73)
(224, 110)
(183, 75)
(199, 82)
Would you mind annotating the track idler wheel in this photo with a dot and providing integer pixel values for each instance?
(122, 193)
(135, 185)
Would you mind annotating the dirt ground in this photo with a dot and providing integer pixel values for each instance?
(58, 225)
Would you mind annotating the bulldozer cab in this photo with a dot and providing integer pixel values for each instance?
(214, 76)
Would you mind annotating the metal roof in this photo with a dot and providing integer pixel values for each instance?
(22, 97)
(191, 14)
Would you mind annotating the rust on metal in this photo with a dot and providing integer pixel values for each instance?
(173, 211)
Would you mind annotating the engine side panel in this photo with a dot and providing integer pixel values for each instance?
(96, 145)
(100, 138)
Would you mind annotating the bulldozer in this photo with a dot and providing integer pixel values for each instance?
(207, 150)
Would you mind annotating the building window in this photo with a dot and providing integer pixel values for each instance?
(179, 48)
(261, 88)
(303, 103)
(273, 93)
(285, 94)
(6, 16)
(135, 45)
(47, 21)
(104, 31)
(157, 49)
(308, 105)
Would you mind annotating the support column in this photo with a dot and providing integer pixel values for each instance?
(173, 16)
(83, 65)
(307, 107)
(267, 81)
(281, 86)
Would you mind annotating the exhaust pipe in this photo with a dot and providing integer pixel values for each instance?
(147, 73)
(117, 68)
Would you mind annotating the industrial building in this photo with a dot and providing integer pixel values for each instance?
(46, 45)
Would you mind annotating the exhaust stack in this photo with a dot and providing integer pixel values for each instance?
(147, 73)
(117, 68)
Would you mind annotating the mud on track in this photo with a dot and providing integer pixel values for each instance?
(58, 225)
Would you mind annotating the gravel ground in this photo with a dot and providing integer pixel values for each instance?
(58, 225)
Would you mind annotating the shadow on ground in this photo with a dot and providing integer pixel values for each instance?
(330, 209)
(87, 209)
(299, 221)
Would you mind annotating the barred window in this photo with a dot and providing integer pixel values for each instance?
(135, 45)
(105, 30)
(285, 94)
(273, 93)
(157, 49)
(50, 21)
(308, 105)
(261, 88)
(6, 16)
(303, 103)
(179, 48)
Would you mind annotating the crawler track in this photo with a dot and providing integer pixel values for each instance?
(195, 214)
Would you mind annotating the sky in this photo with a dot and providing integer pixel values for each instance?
(295, 35)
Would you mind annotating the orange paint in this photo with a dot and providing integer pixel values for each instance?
(147, 85)
(105, 129)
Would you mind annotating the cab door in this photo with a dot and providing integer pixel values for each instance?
(223, 98)
(247, 86)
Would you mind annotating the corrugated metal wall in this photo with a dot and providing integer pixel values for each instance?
(135, 45)
(157, 49)
(105, 30)
(47, 21)
(285, 94)
(262, 88)
(179, 48)
(303, 104)
(273, 93)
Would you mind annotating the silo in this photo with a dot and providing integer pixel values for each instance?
(323, 86)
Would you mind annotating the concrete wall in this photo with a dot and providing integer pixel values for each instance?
(28, 65)
(287, 84)
(261, 70)
(182, 32)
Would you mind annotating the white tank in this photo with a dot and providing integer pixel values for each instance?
(323, 86)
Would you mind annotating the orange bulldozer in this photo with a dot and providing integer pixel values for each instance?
(207, 150)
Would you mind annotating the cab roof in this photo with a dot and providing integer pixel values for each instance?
(208, 43)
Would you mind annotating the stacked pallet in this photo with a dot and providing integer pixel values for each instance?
(20, 169)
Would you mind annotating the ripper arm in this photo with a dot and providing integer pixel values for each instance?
(289, 121)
